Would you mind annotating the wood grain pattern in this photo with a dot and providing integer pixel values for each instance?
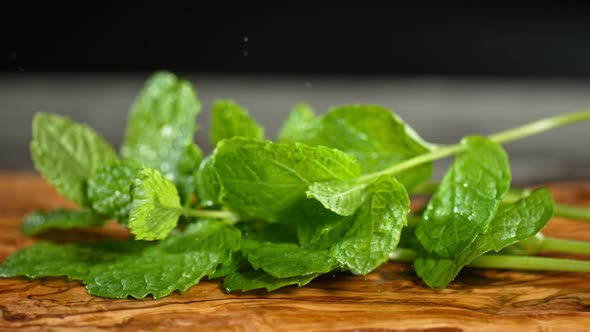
(390, 299)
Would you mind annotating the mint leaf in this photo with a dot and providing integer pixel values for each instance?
(38, 221)
(283, 260)
(236, 262)
(377, 137)
(250, 279)
(177, 263)
(155, 208)
(161, 129)
(268, 181)
(231, 120)
(341, 197)
(187, 168)
(513, 223)
(207, 183)
(299, 125)
(118, 269)
(319, 228)
(71, 260)
(375, 229)
(110, 190)
(66, 153)
(467, 198)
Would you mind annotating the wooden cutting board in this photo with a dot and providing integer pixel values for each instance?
(390, 299)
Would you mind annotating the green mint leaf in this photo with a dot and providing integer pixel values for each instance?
(513, 223)
(299, 125)
(231, 120)
(236, 262)
(376, 136)
(38, 221)
(161, 129)
(319, 228)
(467, 198)
(187, 167)
(250, 279)
(155, 208)
(208, 188)
(110, 190)
(118, 269)
(268, 181)
(66, 153)
(177, 263)
(341, 197)
(71, 260)
(284, 260)
(255, 232)
(374, 231)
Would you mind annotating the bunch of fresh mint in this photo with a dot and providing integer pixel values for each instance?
(330, 194)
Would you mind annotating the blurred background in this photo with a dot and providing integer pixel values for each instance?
(448, 71)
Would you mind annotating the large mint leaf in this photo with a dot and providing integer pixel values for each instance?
(39, 221)
(319, 228)
(467, 198)
(513, 223)
(250, 279)
(376, 136)
(110, 190)
(208, 187)
(341, 197)
(284, 260)
(267, 180)
(73, 261)
(299, 126)
(118, 269)
(231, 120)
(236, 262)
(161, 129)
(374, 231)
(155, 208)
(177, 263)
(66, 153)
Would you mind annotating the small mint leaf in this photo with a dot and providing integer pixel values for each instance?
(156, 206)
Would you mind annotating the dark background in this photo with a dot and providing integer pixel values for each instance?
(456, 40)
(448, 70)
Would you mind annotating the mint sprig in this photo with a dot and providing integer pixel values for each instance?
(332, 194)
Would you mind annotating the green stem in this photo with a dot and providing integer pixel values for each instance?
(210, 214)
(416, 161)
(502, 137)
(508, 262)
(403, 255)
(539, 126)
(530, 263)
(538, 243)
(572, 212)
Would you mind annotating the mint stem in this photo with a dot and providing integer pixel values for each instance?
(210, 214)
(502, 137)
(529, 263)
(539, 126)
(572, 212)
(540, 242)
(508, 262)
